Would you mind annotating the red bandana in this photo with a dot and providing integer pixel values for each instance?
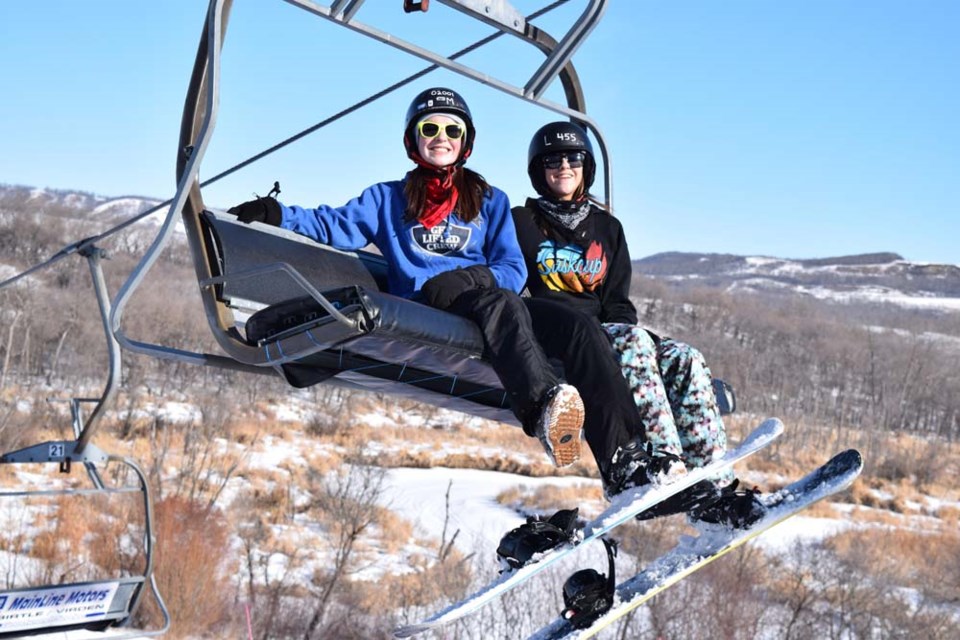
(442, 198)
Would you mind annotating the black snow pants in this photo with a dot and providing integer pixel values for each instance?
(590, 364)
(522, 334)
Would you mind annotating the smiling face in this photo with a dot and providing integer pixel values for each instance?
(564, 181)
(440, 151)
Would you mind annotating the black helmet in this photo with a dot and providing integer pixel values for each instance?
(553, 137)
(437, 100)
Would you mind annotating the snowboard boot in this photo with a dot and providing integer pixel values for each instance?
(636, 464)
(733, 508)
(560, 427)
(699, 495)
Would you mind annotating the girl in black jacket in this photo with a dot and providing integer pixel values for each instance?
(577, 256)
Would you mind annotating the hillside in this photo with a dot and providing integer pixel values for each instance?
(353, 511)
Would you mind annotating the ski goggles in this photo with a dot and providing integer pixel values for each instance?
(430, 130)
(555, 160)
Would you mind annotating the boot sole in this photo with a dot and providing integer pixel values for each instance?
(564, 426)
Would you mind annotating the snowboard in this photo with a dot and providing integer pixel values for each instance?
(695, 552)
(623, 508)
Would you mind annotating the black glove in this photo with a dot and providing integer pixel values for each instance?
(443, 289)
(265, 210)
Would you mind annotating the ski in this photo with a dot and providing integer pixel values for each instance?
(622, 509)
(695, 552)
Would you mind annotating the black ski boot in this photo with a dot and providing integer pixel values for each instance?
(737, 509)
(636, 464)
(518, 547)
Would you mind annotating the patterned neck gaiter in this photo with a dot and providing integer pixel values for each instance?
(568, 214)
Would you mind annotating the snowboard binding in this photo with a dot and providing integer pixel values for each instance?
(588, 594)
(518, 547)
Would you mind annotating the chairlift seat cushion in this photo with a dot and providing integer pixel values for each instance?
(394, 331)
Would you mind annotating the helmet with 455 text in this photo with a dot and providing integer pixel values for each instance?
(437, 100)
(558, 137)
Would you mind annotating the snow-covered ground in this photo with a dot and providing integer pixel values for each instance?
(419, 495)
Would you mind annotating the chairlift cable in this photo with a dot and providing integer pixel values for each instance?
(81, 245)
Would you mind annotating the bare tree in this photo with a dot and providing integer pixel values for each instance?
(349, 498)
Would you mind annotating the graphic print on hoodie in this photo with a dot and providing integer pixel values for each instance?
(570, 267)
(442, 239)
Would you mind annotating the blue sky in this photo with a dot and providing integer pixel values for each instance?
(785, 128)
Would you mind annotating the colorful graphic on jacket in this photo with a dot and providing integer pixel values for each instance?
(442, 239)
(570, 268)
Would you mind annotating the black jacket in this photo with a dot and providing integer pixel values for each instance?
(588, 267)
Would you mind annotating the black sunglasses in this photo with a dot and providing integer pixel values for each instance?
(555, 160)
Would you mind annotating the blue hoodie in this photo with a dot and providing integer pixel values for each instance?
(416, 254)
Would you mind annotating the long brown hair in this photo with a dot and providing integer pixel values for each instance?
(470, 185)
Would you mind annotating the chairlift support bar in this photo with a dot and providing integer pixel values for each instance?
(187, 184)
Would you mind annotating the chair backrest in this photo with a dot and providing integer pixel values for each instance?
(238, 247)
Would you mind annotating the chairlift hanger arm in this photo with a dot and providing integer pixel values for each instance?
(499, 14)
(456, 67)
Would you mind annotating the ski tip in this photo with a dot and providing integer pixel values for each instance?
(408, 631)
(773, 425)
(850, 458)
(767, 430)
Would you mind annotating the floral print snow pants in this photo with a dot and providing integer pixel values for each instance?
(673, 389)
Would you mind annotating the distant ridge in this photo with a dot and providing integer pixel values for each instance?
(871, 277)
(676, 262)
(858, 259)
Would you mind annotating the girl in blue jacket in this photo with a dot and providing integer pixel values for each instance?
(450, 242)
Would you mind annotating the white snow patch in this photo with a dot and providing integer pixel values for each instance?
(759, 261)
(180, 412)
(8, 271)
(125, 205)
(274, 451)
(799, 530)
(418, 495)
(289, 413)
